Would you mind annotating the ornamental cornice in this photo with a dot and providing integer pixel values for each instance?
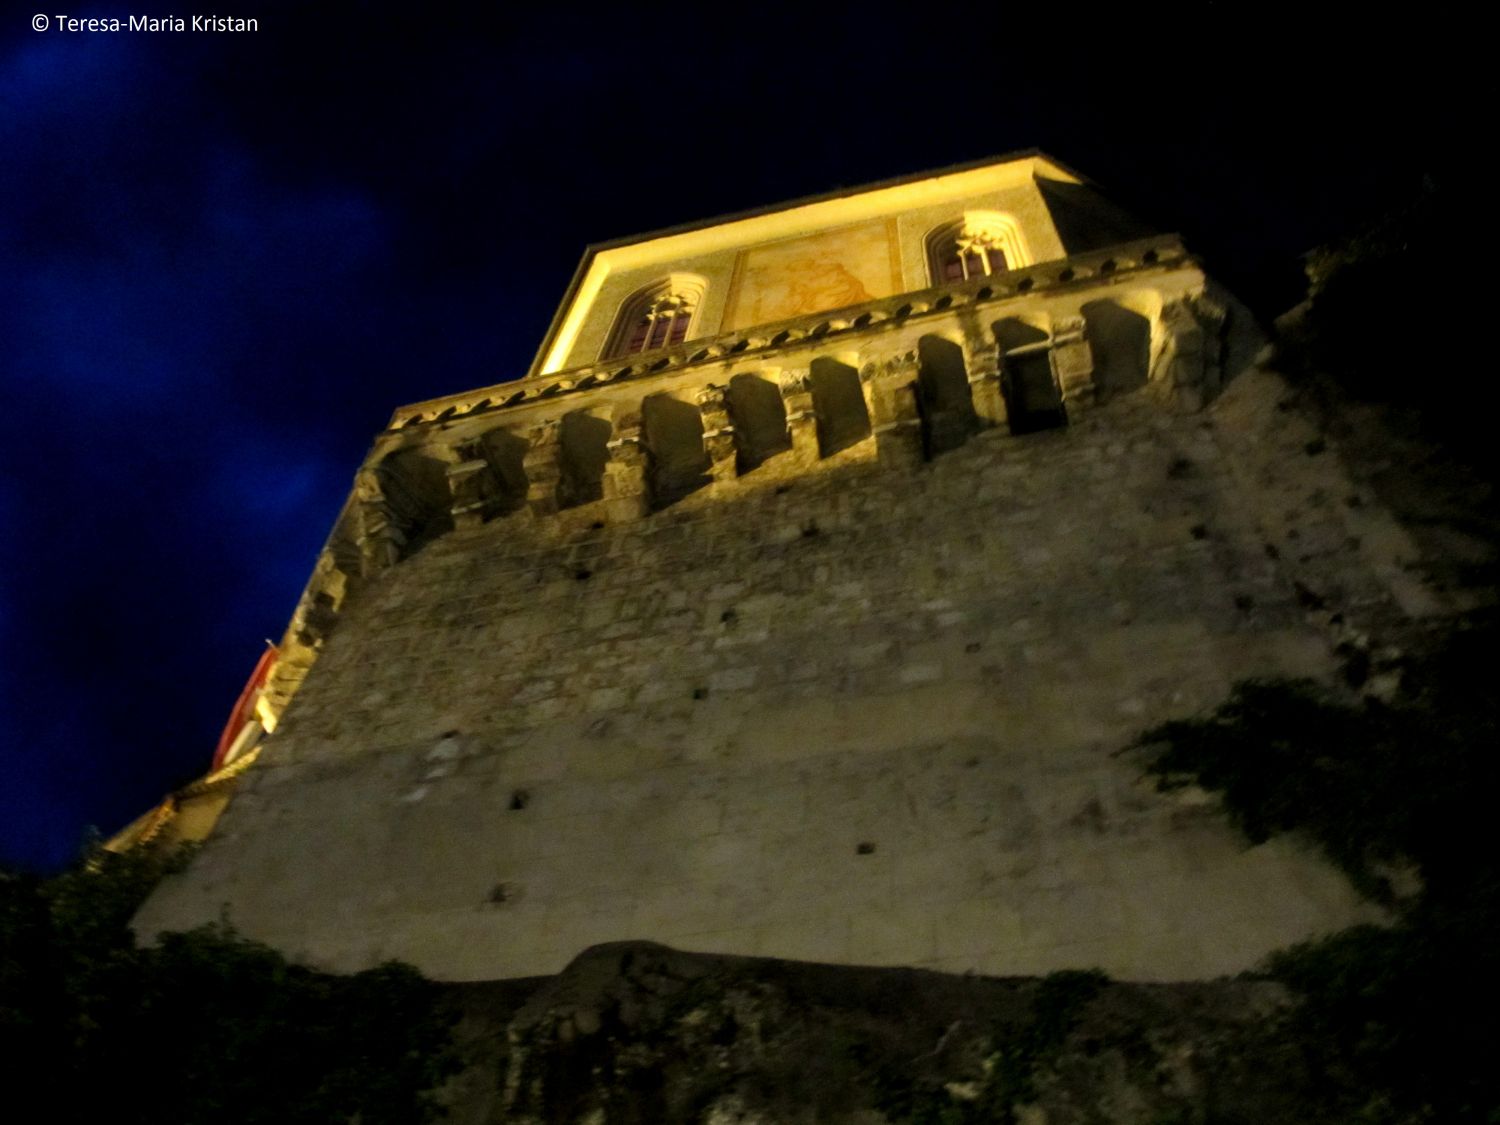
(1079, 271)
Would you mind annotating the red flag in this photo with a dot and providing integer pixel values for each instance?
(244, 706)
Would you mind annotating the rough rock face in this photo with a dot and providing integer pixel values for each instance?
(637, 1032)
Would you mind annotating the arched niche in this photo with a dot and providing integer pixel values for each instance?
(1033, 401)
(673, 432)
(839, 401)
(946, 405)
(583, 451)
(759, 415)
(414, 488)
(505, 453)
(1120, 340)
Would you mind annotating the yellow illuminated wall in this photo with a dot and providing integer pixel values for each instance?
(805, 258)
(827, 270)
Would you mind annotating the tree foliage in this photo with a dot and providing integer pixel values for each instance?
(203, 1026)
(1399, 1018)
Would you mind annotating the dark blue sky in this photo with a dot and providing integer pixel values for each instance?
(225, 259)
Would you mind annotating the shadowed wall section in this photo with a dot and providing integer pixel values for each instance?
(1033, 400)
(947, 411)
(759, 416)
(1120, 339)
(674, 437)
(415, 487)
(505, 453)
(843, 418)
(584, 441)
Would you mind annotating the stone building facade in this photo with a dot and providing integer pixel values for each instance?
(796, 604)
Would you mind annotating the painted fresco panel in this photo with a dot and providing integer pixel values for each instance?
(827, 270)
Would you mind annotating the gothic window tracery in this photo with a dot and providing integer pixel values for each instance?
(978, 245)
(657, 316)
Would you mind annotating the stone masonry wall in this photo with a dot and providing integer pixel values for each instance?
(862, 715)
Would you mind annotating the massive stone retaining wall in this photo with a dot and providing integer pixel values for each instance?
(862, 714)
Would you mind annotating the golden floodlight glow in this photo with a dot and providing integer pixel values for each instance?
(738, 236)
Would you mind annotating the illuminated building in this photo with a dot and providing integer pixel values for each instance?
(796, 602)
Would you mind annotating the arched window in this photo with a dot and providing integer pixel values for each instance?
(980, 244)
(657, 316)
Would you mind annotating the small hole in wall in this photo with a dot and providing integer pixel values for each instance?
(973, 646)
(1198, 531)
(864, 848)
(1025, 285)
(597, 525)
(502, 892)
(1307, 597)
(809, 530)
(783, 489)
(1149, 257)
(1356, 667)
(583, 574)
(1066, 275)
(1179, 468)
(519, 800)
(449, 734)
(700, 693)
(1314, 447)
(729, 618)
(1272, 552)
(1244, 602)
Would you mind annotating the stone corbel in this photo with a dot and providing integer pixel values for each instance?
(718, 431)
(380, 539)
(472, 487)
(625, 488)
(890, 387)
(1073, 363)
(1186, 363)
(801, 415)
(982, 367)
(543, 466)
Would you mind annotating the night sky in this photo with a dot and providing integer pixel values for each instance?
(224, 259)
